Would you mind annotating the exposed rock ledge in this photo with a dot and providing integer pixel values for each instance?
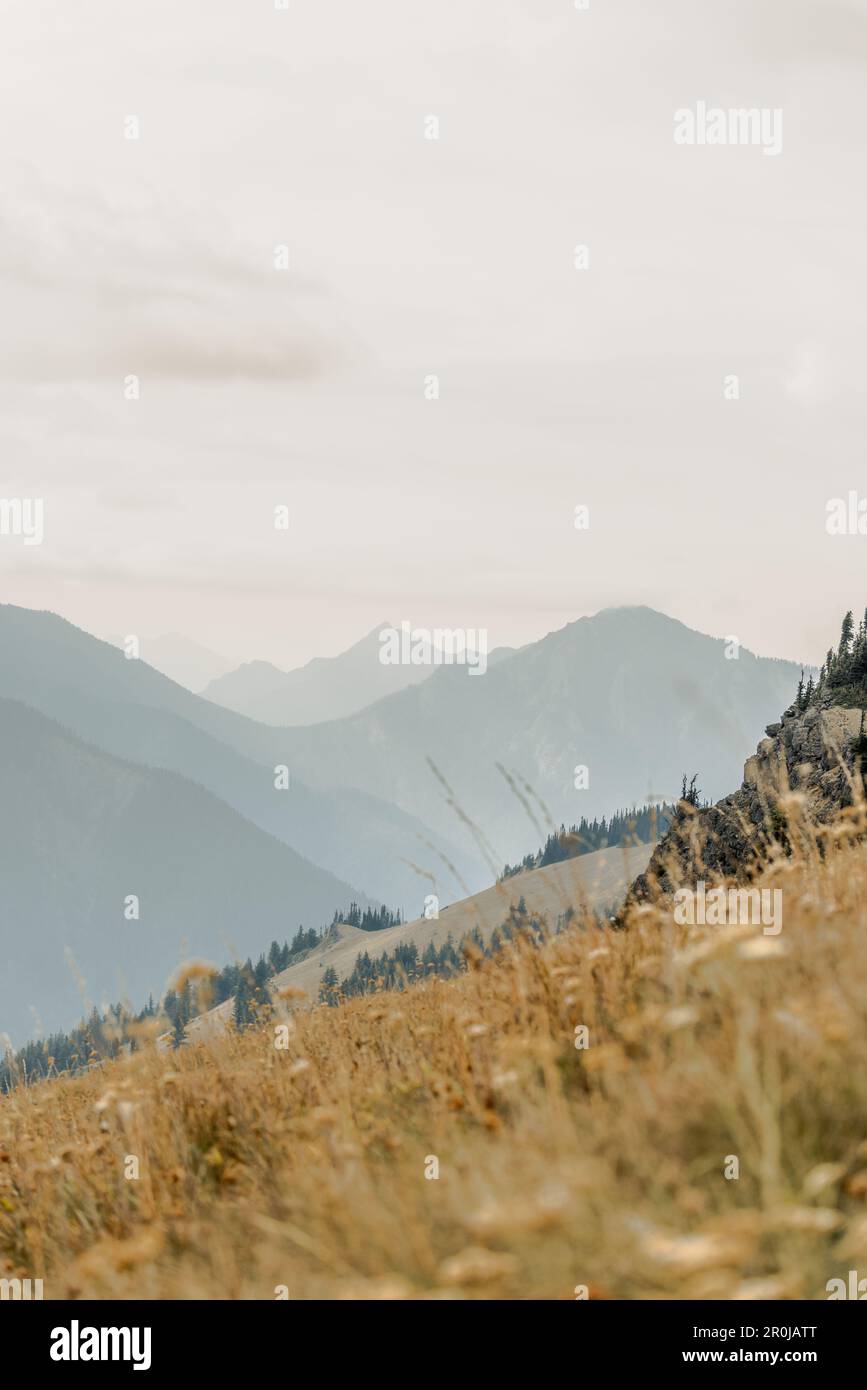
(802, 772)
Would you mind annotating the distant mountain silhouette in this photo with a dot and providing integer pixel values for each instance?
(81, 831)
(130, 710)
(400, 799)
(635, 697)
(181, 659)
(326, 688)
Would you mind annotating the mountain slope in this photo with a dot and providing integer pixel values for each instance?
(133, 712)
(326, 688)
(635, 697)
(80, 831)
(181, 659)
(598, 881)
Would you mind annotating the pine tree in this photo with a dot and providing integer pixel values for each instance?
(328, 986)
(690, 794)
(243, 1012)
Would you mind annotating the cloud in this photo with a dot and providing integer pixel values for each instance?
(99, 286)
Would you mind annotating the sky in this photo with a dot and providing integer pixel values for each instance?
(409, 258)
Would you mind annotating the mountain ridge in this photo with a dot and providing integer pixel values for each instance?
(632, 696)
(324, 688)
(134, 712)
(81, 832)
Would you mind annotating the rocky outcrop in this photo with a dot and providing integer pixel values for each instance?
(805, 771)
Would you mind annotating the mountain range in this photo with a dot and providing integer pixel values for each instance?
(621, 704)
(128, 709)
(83, 834)
(330, 687)
(429, 789)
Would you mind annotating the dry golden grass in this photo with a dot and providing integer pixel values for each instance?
(305, 1167)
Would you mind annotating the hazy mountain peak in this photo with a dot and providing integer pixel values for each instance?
(596, 715)
(325, 688)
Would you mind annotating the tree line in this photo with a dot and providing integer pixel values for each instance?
(639, 825)
(102, 1036)
(843, 673)
(406, 965)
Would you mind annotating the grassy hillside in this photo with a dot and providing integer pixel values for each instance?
(595, 882)
(304, 1166)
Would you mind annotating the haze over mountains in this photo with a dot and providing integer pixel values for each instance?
(128, 709)
(180, 658)
(635, 697)
(149, 784)
(81, 832)
(326, 688)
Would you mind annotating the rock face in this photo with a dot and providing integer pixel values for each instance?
(803, 772)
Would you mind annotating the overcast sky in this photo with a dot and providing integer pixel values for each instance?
(410, 257)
